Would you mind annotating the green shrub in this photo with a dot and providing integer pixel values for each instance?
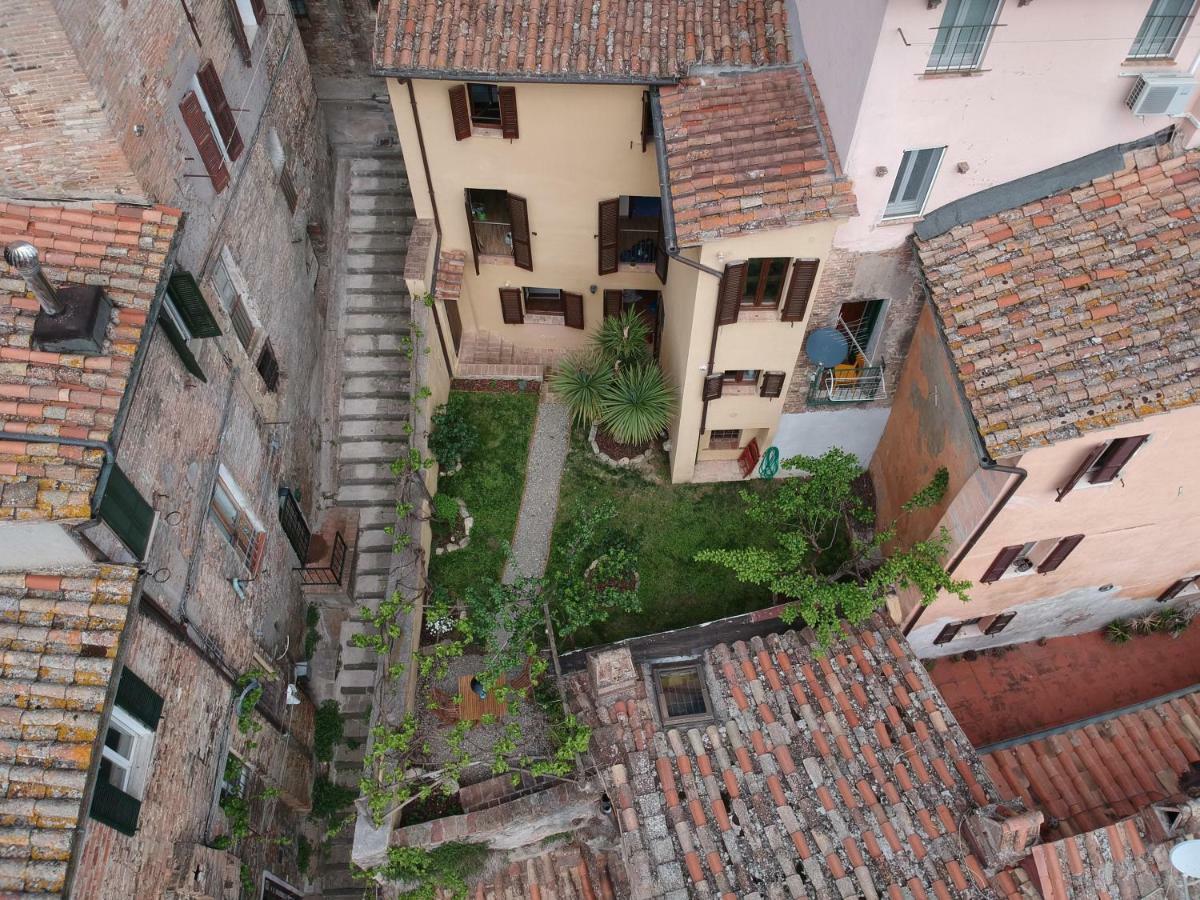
(445, 509)
(446, 867)
(329, 798)
(327, 730)
(303, 854)
(1118, 631)
(636, 407)
(453, 436)
(312, 637)
(580, 380)
(623, 340)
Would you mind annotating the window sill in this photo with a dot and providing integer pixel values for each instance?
(738, 390)
(487, 260)
(952, 73)
(545, 319)
(901, 220)
(1156, 62)
(487, 131)
(635, 267)
(758, 314)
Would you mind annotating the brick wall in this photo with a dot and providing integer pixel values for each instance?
(338, 35)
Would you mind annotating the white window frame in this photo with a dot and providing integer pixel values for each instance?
(1176, 41)
(268, 878)
(172, 312)
(229, 789)
(136, 766)
(249, 23)
(218, 139)
(900, 183)
(226, 484)
(225, 271)
(935, 64)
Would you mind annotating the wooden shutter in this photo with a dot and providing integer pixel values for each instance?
(1115, 456)
(772, 384)
(460, 112)
(136, 698)
(1174, 590)
(239, 30)
(1000, 564)
(800, 287)
(749, 458)
(126, 512)
(289, 189)
(1000, 623)
(1060, 552)
(214, 93)
(175, 336)
(191, 305)
(508, 113)
(610, 211)
(573, 310)
(661, 260)
(257, 552)
(612, 303)
(1093, 455)
(113, 807)
(260, 10)
(949, 633)
(714, 384)
(471, 230)
(206, 142)
(647, 122)
(518, 215)
(510, 306)
(729, 294)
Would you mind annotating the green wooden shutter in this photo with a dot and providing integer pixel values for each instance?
(135, 697)
(191, 305)
(181, 347)
(125, 511)
(115, 808)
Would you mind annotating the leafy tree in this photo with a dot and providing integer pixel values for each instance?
(818, 558)
(452, 436)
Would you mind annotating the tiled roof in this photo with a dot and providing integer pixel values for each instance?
(566, 872)
(450, 274)
(821, 774)
(1078, 311)
(123, 249)
(58, 640)
(748, 151)
(1098, 774)
(601, 40)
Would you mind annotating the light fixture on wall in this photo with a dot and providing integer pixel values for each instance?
(1105, 588)
(592, 289)
(963, 168)
(139, 130)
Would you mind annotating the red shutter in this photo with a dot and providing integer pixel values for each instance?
(572, 310)
(1060, 552)
(1001, 563)
(1118, 453)
(947, 634)
(206, 142)
(239, 30)
(508, 113)
(610, 211)
(471, 230)
(729, 294)
(804, 276)
(612, 303)
(1000, 623)
(661, 260)
(260, 10)
(749, 458)
(713, 385)
(460, 112)
(258, 552)
(1093, 455)
(214, 93)
(1174, 590)
(510, 306)
(518, 215)
(772, 384)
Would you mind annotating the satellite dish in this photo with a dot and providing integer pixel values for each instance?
(1185, 858)
(826, 347)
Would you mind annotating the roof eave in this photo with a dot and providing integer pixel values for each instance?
(425, 74)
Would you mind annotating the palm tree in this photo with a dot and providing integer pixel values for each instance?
(636, 406)
(580, 380)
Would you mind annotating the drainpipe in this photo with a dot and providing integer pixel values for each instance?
(985, 459)
(110, 455)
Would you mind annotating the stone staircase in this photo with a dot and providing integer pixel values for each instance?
(374, 416)
(486, 355)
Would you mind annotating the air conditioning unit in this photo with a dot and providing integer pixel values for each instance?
(1161, 95)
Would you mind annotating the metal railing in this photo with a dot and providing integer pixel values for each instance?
(847, 384)
(959, 48)
(1159, 36)
(292, 519)
(331, 574)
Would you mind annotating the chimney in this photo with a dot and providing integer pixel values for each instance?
(73, 319)
(1003, 834)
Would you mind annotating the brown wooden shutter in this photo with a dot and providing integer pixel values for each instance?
(661, 260)
(1093, 455)
(647, 122)
(804, 276)
(1118, 453)
(1174, 590)
(729, 294)
(510, 306)
(610, 211)
(772, 384)
(1000, 564)
(239, 30)
(260, 10)
(460, 112)
(471, 230)
(572, 310)
(947, 634)
(612, 303)
(206, 142)
(1000, 623)
(508, 113)
(714, 384)
(214, 93)
(1060, 552)
(518, 215)
(289, 189)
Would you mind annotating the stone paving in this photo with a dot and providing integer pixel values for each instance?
(539, 505)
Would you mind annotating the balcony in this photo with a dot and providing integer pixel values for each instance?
(847, 384)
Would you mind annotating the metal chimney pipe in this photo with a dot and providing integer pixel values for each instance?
(23, 257)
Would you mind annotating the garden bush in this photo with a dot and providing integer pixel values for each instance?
(453, 436)
(327, 730)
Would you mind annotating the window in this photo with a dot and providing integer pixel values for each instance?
(860, 321)
(725, 439)
(1104, 463)
(126, 512)
(963, 35)
(268, 367)
(230, 509)
(249, 22)
(485, 104)
(740, 376)
(210, 93)
(980, 626)
(544, 301)
(275, 889)
(498, 223)
(246, 18)
(235, 779)
(1178, 587)
(913, 181)
(1023, 559)
(483, 108)
(1165, 22)
(232, 301)
(758, 284)
(222, 283)
(681, 694)
(629, 235)
(123, 756)
(243, 325)
(291, 517)
(184, 317)
(126, 754)
(764, 282)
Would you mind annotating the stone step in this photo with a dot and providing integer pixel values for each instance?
(373, 386)
(355, 690)
(366, 495)
(387, 165)
(391, 365)
(378, 517)
(374, 541)
(375, 243)
(372, 300)
(374, 323)
(376, 263)
(365, 223)
(375, 563)
(371, 451)
(385, 182)
(374, 429)
(354, 678)
(376, 345)
(366, 473)
(390, 204)
(375, 407)
(384, 283)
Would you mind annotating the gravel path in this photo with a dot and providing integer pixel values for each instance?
(543, 473)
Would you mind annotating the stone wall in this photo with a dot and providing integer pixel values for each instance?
(338, 35)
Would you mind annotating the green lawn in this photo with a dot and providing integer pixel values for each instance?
(491, 482)
(670, 523)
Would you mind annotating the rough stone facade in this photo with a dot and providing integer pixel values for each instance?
(338, 35)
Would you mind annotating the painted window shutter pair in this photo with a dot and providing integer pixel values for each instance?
(1105, 462)
(110, 805)
(124, 510)
(1177, 588)
(184, 294)
(1053, 560)
(259, 8)
(608, 231)
(770, 386)
(192, 111)
(795, 300)
(511, 312)
(460, 112)
(518, 217)
(997, 625)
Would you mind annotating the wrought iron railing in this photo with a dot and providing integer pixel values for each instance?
(959, 48)
(330, 574)
(1159, 36)
(294, 526)
(847, 384)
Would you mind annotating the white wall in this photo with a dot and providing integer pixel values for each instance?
(812, 433)
(38, 547)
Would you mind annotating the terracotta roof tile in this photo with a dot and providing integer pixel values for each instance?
(748, 151)
(1078, 311)
(603, 40)
(61, 394)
